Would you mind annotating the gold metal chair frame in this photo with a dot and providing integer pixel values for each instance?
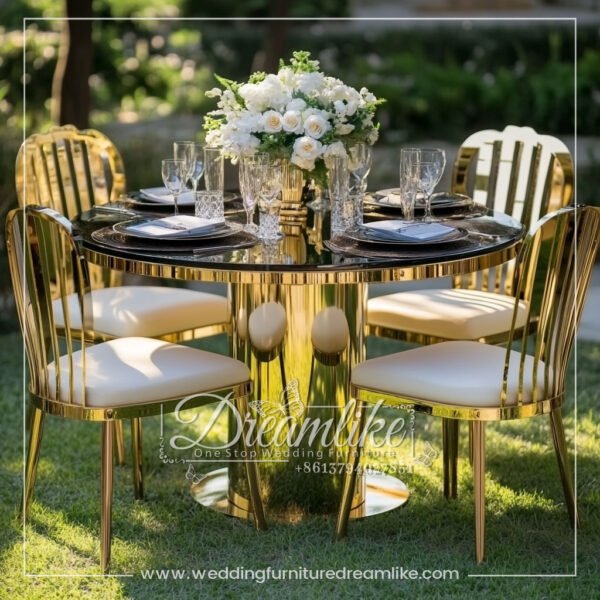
(485, 157)
(72, 171)
(48, 263)
(571, 237)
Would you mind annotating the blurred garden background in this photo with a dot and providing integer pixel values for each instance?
(442, 79)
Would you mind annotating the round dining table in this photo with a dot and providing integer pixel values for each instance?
(287, 284)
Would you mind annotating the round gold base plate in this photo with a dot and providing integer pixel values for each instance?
(383, 493)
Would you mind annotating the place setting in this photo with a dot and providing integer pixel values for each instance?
(406, 235)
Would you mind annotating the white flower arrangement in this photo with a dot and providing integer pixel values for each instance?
(299, 114)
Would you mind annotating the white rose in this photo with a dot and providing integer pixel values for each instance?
(292, 121)
(303, 163)
(316, 126)
(307, 148)
(367, 95)
(335, 149)
(271, 121)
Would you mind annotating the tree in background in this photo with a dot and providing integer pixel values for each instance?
(70, 86)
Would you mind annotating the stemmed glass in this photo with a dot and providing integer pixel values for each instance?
(180, 152)
(174, 176)
(194, 157)
(359, 165)
(432, 162)
(252, 174)
(409, 181)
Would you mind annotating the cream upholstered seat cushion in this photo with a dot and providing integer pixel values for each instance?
(453, 314)
(267, 325)
(146, 311)
(136, 370)
(330, 332)
(463, 373)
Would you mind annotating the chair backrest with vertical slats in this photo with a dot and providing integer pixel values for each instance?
(71, 171)
(46, 264)
(557, 258)
(516, 171)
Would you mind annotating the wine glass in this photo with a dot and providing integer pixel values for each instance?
(174, 176)
(180, 152)
(432, 162)
(252, 173)
(194, 157)
(359, 165)
(409, 180)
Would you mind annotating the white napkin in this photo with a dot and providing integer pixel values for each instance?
(410, 231)
(162, 195)
(175, 225)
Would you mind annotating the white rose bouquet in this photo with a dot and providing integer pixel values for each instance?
(299, 114)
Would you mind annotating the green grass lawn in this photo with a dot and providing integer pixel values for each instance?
(527, 524)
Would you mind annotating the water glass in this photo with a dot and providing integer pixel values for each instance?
(342, 206)
(431, 165)
(209, 205)
(269, 202)
(213, 169)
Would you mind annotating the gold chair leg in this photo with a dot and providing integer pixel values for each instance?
(450, 452)
(119, 442)
(471, 443)
(256, 503)
(36, 426)
(562, 456)
(137, 458)
(106, 486)
(479, 488)
(352, 465)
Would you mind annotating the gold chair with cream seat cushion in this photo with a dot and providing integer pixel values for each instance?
(452, 314)
(460, 373)
(125, 378)
(71, 171)
(516, 171)
(146, 311)
(479, 383)
(135, 370)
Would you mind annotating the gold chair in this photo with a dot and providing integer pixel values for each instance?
(515, 171)
(72, 171)
(123, 378)
(468, 380)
